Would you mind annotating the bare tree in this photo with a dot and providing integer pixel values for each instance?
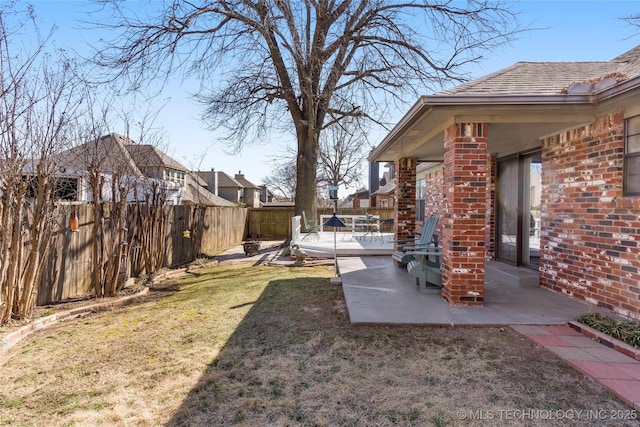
(283, 179)
(634, 21)
(304, 64)
(340, 156)
(342, 151)
(111, 177)
(121, 182)
(152, 216)
(37, 106)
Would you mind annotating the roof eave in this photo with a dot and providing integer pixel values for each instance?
(619, 89)
(414, 112)
(428, 102)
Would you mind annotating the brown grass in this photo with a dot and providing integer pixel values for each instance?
(251, 346)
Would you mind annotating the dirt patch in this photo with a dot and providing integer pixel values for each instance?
(240, 344)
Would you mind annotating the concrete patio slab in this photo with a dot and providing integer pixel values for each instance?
(376, 291)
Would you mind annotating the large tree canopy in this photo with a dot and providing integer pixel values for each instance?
(303, 65)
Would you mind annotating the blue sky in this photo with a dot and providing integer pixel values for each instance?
(568, 31)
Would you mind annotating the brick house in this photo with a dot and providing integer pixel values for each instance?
(384, 196)
(536, 165)
(359, 199)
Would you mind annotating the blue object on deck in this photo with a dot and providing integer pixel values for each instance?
(402, 255)
(426, 268)
(334, 221)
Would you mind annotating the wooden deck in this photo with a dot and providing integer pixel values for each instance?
(347, 243)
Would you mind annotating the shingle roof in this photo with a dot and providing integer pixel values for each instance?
(195, 193)
(245, 182)
(547, 78)
(632, 62)
(388, 188)
(107, 152)
(149, 156)
(225, 180)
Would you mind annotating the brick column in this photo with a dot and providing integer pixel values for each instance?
(464, 209)
(405, 198)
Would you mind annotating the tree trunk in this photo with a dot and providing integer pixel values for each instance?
(96, 274)
(306, 165)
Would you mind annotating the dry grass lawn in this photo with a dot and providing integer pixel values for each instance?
(254, 345)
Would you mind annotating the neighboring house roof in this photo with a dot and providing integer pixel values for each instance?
(360, 194)
(108, 153)
(148, 156)
(345, 204)
(195, 192)
(245, 182)
(225, 180)
(387, 188)
(278, 204)
(118, 153)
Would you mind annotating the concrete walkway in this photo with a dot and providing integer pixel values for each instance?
(378, 292)
(614, 370)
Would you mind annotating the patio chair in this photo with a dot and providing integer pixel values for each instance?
(426, 269)
(311, 227)
(386, 226)
(402, 255)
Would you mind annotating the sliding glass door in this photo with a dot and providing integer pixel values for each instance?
(518, 209)
(507, 210)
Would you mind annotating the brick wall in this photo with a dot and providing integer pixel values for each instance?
(406, 198)
(380, 200)
(464, 209)
(589, 236)
(433, 179)
(433, 202)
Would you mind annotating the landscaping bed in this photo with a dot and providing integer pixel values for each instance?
(621, 335)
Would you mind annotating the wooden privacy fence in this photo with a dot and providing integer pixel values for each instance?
(275, 223)
(67, 273)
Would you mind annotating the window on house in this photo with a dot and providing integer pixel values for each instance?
(384, 203)
(64, 188)
(420, 202)
(631, 180)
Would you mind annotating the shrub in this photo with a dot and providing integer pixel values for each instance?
(624, 330)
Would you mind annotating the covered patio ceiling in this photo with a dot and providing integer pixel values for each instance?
(512, 127)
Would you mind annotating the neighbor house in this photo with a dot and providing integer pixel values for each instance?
(109, 158)
(137, 166)
(238, 189)
(359, 199)
(536, 165)
(383, 197)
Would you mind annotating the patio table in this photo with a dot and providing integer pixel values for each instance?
(367, 225)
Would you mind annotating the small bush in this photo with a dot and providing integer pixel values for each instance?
(623, 330)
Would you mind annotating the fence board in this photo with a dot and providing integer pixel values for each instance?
(67, 273)
(276, 222)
